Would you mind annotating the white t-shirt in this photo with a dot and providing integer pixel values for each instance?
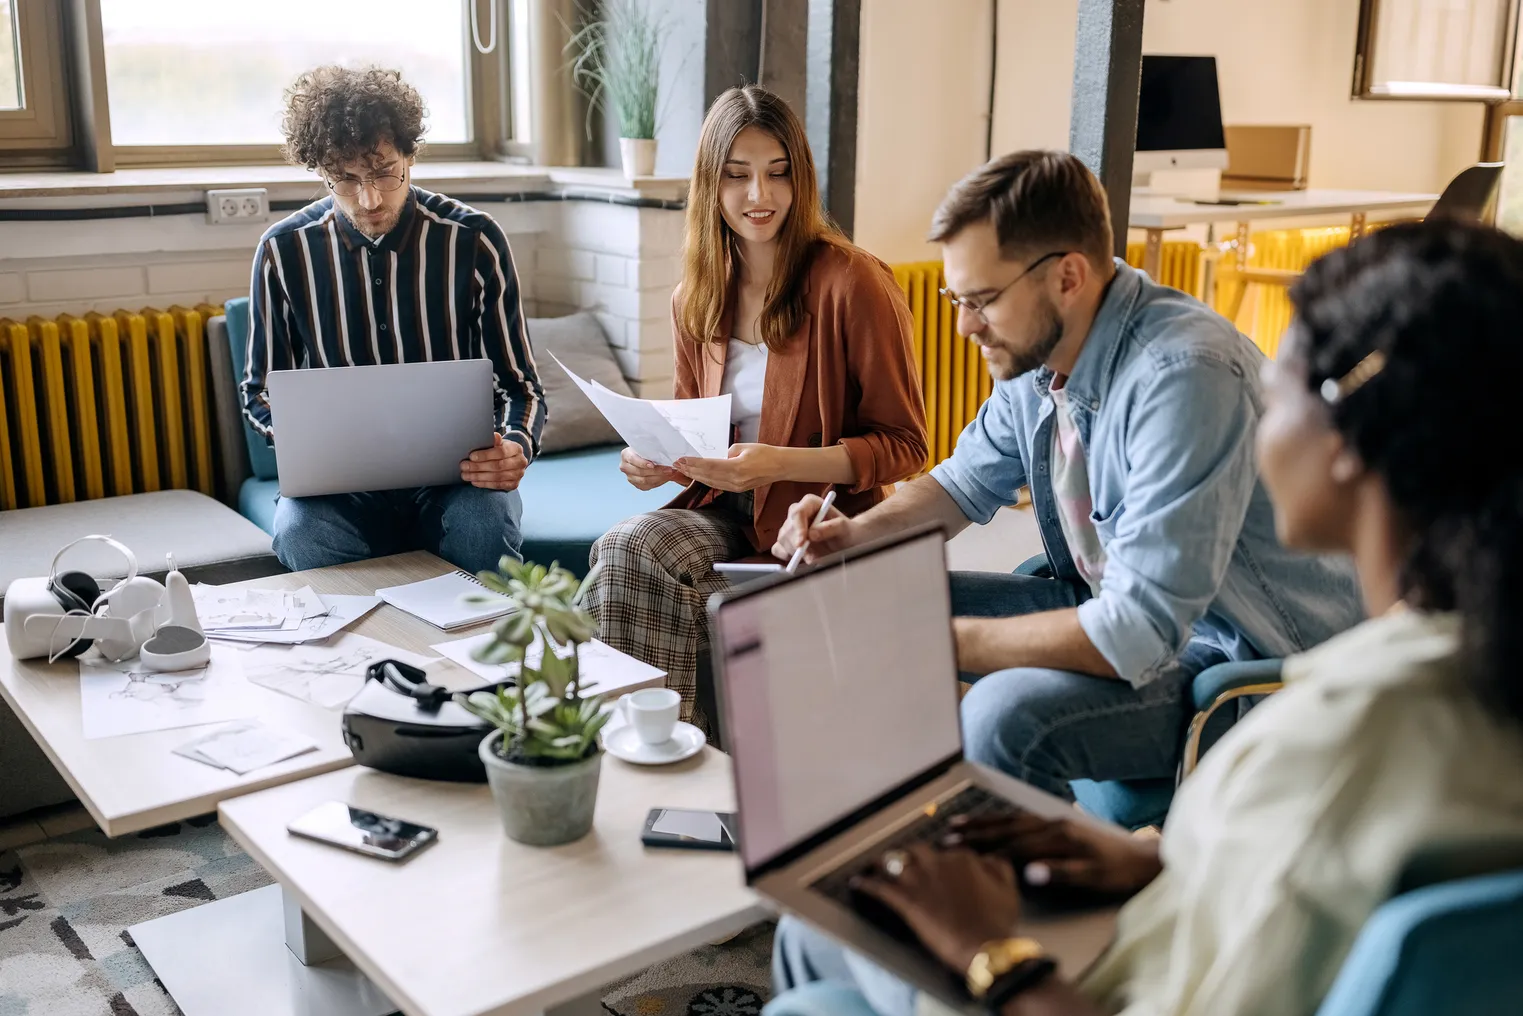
(1070, 488)
(745, 377)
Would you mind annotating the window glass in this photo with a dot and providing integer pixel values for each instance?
(209, 72)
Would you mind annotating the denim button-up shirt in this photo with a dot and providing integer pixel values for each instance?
(1166, 398)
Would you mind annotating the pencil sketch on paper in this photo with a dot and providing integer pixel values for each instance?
(127, 698)
(327, 674)
(185, 689)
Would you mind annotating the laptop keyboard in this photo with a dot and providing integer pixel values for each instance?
(974, 802)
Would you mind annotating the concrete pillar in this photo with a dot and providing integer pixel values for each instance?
(1107, 73)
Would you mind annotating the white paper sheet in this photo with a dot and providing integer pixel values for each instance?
(339, 613)
(327, 674)
(663, 431)
(245, 746)
(126, 698)
(221, 609)
(604, 670)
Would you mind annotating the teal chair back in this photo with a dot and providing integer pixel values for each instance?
(261, 455)
(1452, 948)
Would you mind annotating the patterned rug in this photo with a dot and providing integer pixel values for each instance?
(66, 903)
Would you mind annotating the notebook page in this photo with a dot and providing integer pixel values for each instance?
(441, 601)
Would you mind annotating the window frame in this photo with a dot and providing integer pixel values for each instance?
(1367, 86)
(41, 132)
(67, 34)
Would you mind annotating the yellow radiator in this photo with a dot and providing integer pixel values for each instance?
(1268, 309)
(104, 404)
(1181, 264)
(953, 374)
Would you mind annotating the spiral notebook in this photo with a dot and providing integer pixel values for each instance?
(441, 601)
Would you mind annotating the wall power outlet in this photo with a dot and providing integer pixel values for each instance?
(237, 207)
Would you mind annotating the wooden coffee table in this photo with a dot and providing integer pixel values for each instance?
(137, 782)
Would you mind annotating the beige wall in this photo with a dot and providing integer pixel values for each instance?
(923, 92)
(924, 85)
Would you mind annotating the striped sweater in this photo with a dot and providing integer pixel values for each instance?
(439, 286)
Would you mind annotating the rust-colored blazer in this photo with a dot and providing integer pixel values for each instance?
(847, 376)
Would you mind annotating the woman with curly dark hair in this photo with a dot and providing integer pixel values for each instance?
(1389, 435)
(380, 271)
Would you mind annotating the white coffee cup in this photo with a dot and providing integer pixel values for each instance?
(652, 712)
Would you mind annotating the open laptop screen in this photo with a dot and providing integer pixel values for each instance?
(838, 687)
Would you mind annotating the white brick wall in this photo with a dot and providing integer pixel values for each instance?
(617, 261)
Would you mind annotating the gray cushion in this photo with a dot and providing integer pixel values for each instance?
(210, 541)
(578, 341)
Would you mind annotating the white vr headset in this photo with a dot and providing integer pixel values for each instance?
(62, 614)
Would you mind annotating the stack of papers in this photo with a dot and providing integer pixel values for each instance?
(441, 601)
(604, 670)
(281, 616)
(245, 746)
(663, 431)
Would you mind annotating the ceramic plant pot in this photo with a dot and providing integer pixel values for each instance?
(639, 156)
(542, 806)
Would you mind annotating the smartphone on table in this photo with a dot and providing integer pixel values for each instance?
(684, 829)
(364, 832)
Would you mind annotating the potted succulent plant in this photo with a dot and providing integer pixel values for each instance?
(616, 59)
(543, 759)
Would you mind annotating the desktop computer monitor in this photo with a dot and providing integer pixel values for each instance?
(1179, 115)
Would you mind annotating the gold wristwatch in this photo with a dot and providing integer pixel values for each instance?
(1001, 957)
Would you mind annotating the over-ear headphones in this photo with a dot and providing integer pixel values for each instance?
(78, 592)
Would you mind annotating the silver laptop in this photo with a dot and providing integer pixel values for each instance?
(339, 430)
(838, 699)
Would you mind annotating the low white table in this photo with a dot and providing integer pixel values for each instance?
(473, 925)
(137, 782)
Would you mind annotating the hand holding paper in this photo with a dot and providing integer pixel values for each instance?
(663, 431)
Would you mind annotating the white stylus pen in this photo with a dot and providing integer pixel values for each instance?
(798, 555)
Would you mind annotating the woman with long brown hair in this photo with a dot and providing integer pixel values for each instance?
(810, 337)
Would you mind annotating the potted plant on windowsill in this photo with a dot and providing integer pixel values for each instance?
(543, 759)
(616, 59)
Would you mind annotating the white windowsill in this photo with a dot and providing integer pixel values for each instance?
(41, 189)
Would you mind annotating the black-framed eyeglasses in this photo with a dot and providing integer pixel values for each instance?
(979, 308)
(349, 186)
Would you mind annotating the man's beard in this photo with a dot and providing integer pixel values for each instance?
(1011, 363)
(375, 229)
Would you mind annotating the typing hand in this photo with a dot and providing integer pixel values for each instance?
(1062, 852)
(956, 901)
(747, 467)
(500, 467)
(644, 474)
(832, 535)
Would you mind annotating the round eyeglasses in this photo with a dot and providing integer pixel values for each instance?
(349, 186)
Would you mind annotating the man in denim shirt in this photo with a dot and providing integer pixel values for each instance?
(1129, 409)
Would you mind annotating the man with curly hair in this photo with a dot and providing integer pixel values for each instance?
(381, 271)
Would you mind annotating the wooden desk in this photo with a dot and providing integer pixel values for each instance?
(473, 925)
(1156, 213)
(136, 782)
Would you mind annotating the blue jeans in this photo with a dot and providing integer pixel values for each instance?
(1048, 727)
(469, 527)
(801, 955)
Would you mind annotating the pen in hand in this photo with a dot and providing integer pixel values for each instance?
(803, 548)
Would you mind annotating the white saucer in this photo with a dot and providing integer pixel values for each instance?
(687, 741)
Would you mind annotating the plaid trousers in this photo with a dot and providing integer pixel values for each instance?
(658, 574)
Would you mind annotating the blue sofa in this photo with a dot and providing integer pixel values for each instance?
(570, 498)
